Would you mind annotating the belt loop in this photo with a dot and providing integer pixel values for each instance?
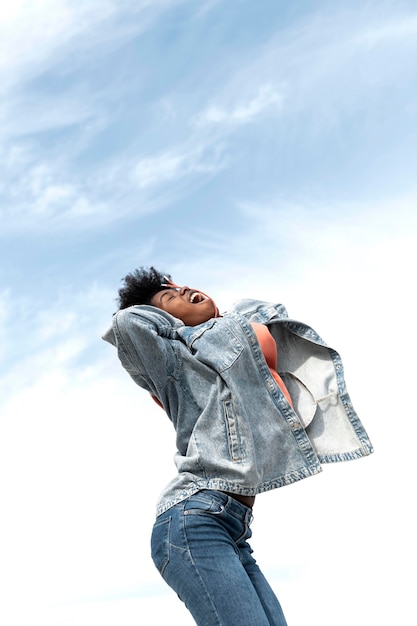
(249, 519)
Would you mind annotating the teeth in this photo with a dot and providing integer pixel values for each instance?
(196, 296)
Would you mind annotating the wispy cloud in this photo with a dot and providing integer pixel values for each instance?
(206, 151)
(173, 166)
(320, 71)
(47, 193)
(322, 68)
(32, 32)
(336, 61)
(36, 194)
(243, 112)
(35, 34)
(45, 56)
(398, 30)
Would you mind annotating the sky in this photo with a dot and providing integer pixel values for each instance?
(251, 149)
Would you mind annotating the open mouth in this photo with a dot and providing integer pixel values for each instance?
(196, 297)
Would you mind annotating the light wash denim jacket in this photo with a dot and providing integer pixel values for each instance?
(235, 429)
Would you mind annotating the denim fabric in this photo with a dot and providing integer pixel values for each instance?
(235, 430)
(200, 547)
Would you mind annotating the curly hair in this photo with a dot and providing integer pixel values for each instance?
(140, 285)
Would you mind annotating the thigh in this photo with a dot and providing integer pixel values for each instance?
(197, 557)
(266, 595)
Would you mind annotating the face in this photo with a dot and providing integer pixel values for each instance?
(189, 305)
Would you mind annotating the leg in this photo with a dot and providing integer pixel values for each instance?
(195, 546)
(265, 594)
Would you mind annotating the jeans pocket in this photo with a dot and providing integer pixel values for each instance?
(160, 545)
(203, 504)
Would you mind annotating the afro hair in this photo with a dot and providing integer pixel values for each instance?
(140, 285)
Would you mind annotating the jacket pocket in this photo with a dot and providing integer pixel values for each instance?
(160, 546)
(233, 432)
(214, 344)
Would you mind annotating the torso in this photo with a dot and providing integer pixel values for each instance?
(269, 350)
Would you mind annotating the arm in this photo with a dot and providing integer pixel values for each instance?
(144, 340)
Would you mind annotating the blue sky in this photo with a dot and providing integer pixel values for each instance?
(252, 149)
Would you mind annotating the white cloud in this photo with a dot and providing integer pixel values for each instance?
(37, 193)
(34, 33)
(205, 152)
(194, 157)
(312, 71)
(399, 30)
(39, 186)
(243, 112)
(206, 7)
(320, 71)
(163, 168)
(321, 68)
(3, 321)
(33, 114)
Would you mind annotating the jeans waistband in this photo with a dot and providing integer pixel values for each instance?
(230, 503)
(248, 501)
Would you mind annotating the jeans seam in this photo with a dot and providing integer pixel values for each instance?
(194, 565)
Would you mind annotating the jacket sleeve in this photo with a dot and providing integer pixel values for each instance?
(143, 337)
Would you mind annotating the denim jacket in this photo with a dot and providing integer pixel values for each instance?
(235, 430)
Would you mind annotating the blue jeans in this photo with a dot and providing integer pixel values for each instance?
(200, 548)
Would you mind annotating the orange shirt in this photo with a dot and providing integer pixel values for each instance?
(269, 350)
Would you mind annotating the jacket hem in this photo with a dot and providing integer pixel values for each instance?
(220, 484)
(346, 456)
